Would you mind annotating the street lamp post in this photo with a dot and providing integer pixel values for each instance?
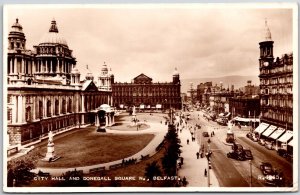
(250, 163)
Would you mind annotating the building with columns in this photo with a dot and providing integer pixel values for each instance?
(44, 90)
(145, 94)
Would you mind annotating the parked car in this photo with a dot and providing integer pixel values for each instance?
(235, 154)
(266, 168)
(261, 142)
(249, 135)
(269, 145)
(205, 134)
(237, 146)
(248, 154)
(282, 152)
(254, 138)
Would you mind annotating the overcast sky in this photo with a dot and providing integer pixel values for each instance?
(200, 42)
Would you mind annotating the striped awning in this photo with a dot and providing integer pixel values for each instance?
(269, 131)
(261, 127)
(276, 134)
(286, 136)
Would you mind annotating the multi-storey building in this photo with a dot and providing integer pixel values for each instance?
(44, 91)
(145, 94)
(276, 90)
(219, 100)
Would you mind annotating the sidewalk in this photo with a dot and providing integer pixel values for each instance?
(158, 129)
(193, 168)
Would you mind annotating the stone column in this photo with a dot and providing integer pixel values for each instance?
(15, 66)
(51, 68)
(46, 64)
(11, 66)
(20, 108)
(34, 107)
(82, 103)
(14, 109)
(22, 66)
(106, 119)
(113, 118)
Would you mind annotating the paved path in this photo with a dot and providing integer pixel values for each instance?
(193, 168)
(158, 129)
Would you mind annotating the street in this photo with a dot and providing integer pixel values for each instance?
(231, 172)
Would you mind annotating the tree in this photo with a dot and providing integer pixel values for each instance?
(169, 161)
(152, 170)
(18, 169)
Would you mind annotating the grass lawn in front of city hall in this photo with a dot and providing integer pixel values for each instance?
(83, 147)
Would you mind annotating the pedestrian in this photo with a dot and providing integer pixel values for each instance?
(205, 172)
(197, 154)
(187, 141)
(184, 182)
(211, 134)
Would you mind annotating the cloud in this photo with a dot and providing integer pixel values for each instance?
(200, 42)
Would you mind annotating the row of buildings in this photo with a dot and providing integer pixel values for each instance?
(271, 101)
(45, 91)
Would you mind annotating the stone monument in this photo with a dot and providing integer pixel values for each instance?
(50, 155)
(134, 119)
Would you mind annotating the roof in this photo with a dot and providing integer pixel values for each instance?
(142, 78)
(89, 85)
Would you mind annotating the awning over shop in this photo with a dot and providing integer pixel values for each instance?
(276, 134)
(269, 131)
(158, 105)
(142, 106)
(291, 143)
(240, 119)
(261, 127)
(286, 136)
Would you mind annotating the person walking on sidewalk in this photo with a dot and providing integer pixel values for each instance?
(187, 141)
(197, 154)
(205, 172)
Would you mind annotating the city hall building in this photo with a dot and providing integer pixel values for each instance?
(44, 91)
(145, 94)
(276, 91)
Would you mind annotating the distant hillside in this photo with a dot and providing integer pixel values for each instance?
(237, 81)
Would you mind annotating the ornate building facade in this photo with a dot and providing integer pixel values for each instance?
(145, 94)
(276, 91)
(44, 91)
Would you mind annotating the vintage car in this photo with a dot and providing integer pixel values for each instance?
(261, 142)
(248, 154)
(266, 168)
(269, 145)
(205, 134)
(235, 154)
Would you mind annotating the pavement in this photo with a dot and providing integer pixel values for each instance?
(193, 169)
(158, 129)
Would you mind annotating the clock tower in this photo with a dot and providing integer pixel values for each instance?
(266, 48)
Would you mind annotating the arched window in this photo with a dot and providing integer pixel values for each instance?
(63, 106)
(56, 109)
(48, 108)
(40, 113)
(70, 106)
(28, 114)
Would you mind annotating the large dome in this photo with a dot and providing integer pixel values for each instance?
(53, 36)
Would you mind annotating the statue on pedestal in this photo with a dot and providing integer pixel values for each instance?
(50, 155)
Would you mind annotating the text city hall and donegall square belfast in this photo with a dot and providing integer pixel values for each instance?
(45, 92)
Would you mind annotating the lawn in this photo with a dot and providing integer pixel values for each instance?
(85, 147)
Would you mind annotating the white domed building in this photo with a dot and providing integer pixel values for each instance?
(44, 91)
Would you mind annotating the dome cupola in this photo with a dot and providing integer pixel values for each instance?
(267, 32)
(16, 37)
(53, 36)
